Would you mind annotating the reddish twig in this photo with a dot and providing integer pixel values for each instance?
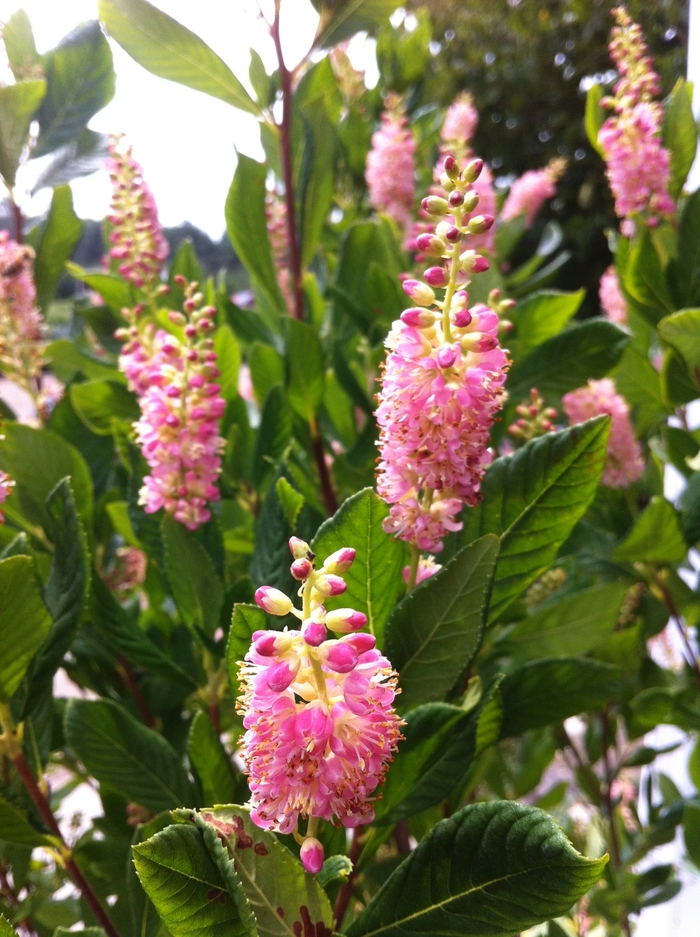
(606, 794)
(136, 691)
(18, 220)
(345, 893)
(71, 866)
(215, 717)
(675, 616)
(285, 129)
(329, 498)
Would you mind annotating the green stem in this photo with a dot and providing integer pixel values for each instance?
(452, 283)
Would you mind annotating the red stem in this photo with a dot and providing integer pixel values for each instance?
(215, 717)
(44, 808)
(345, 893)
(18, 220)
(607, 803)
(676, 618)
(136, 691)
(329, 498)
(286, 153)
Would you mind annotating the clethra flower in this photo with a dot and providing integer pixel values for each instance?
(442, 385)
(137, 243)
(638, 165)
(529, 193)
(460, 120)
(624, 464)
(21, 324)
(318, 713)
(127, 570)
(427, 567)
(612, 301)
(390, 171)
(181, 407)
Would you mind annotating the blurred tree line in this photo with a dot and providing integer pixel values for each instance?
(528, 65)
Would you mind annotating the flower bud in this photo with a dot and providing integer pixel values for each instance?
(330, 585)
(447, 182)
(431, 244)
(298, 548)
(419, 292)
(450, 166)
(265, 643)
(314, 632)
(338, 656)
(479, 224)
(462, 318)
(280, 674)
(435, 276)
(479, 341)
(417, 319)
(456, 199)
(345, 620)
(453, 235)
(301, 569)
(273, 601)
(471, 262)
(311, 855)
(471, 200)
(342, 559)
(361, 642)
(434, 205)
(472, 170)
(177, 318)
(446, 356)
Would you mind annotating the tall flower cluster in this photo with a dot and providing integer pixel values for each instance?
(529, 193)
(175, 378)
(276, 218)
(638, 165)
(137, 242)
(612, 302)
(442, 384)
(460, 122)
(390, 170)
(317, 710)
(21, 323)
(623, 464)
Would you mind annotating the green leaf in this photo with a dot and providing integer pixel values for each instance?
(374, 580)
(643, 278)
(18, 39)
(16, 828)
(80, 81)
(533, 500)
(67, 587)
(260, 80)
(38, 460)
(247, 226)
(68, 361)
(266, 369)
(492, 869)
(18, 105)
(306, 370)
(6, 929)
(317, 177)
(691, 831)
(680, 135)
(434, 633)
(170, 50)
(677, 386)
(341, 19)
(58, 240)
(655, 538)
(80, 157)
(271, 877)
(682, 332)
(25, 622)
(683, 271)
(116, 293)
(228, 361)
(187, 888)
(587, 349)
(104, 406)
(212, 764)
(274, 434)
(550, 690)
(543, 315)
(638, 382)
(573, 626)
(290, 499)
(123, 634)
(595, 116)
(196, 588)
(124, 755)
(246, 620)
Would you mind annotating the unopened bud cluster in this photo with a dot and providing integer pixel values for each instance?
(175, 377)
(443, 378)
(318, 713)
(534, 418)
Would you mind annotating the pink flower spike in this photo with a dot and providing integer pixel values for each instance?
(311, 855)
(345, 620)
(273, 601)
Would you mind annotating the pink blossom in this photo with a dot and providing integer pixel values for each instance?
(612, 301)
(529, 193)
(390, 171)
(319, 720)
(127, 570)
(181, 407)
(638, 165)
(460, 120)
(21, 324)
(6, 486)
(624, 464)
(137, 243)
(427, 567)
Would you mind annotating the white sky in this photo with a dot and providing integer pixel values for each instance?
(184, 140)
